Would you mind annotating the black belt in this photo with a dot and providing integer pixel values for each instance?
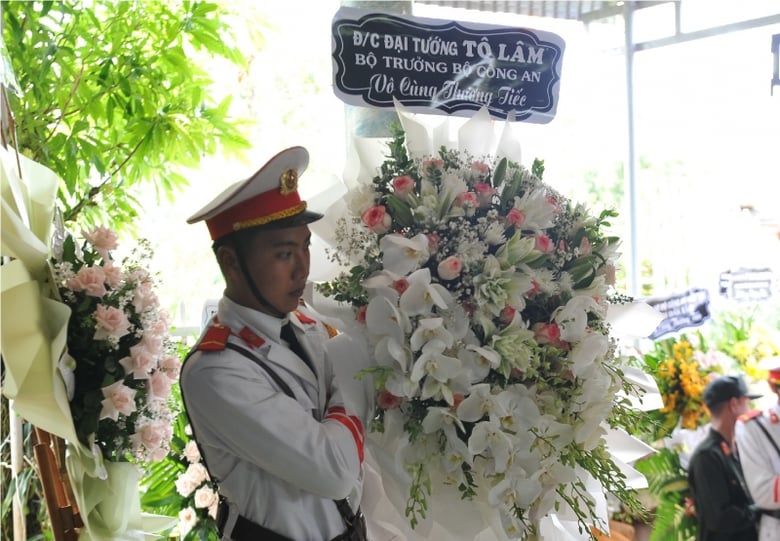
(246, 530)
(774, 513)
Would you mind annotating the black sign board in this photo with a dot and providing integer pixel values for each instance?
(688, 309)
(445, 67)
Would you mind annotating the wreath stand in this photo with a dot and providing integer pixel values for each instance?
(58, 494)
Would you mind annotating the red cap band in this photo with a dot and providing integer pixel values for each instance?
(259, 210)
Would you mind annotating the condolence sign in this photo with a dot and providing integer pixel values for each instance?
(688, 309)
(445, 67)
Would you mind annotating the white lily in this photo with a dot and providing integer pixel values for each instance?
(518, 249)
(403, 255)
(539, 213)
(495, 288)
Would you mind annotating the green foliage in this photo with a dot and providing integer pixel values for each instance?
(112, 99)
(669, 482)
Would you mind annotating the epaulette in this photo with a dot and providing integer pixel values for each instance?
(750, 415)
(251, 339)
(215, 338)
(332, 331)
(304, 319)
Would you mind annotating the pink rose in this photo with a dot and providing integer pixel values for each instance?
(140, 362)
(204, 497)
(484, 193)
(144, 297)
(430, 167)
(400, 285)
(544, 244)
(535, 288)
(91, 280)
(457, 398)
(153, 434)
(547, 333)
(152, 342)
(403, 185)
(185, 485)
(102, 238)
(113, 274)
(433, 242)
(585, 246)
(480, 168)
(360, 315)
(377, 219)
(450, 268)
(466, 199)
(118, 399)
(387, 400)
(609, 274)
(507, 315)
(191, 452)
(515, 217)
(110, 321)
(159, 385)
(170, 365)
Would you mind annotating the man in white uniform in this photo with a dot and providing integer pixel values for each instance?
(758, 444)
(258, 387)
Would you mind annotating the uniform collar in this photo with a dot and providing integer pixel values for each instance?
(237, 316)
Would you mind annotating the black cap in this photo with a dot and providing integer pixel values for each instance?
(725, 388)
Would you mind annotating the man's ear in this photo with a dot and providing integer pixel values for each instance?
(228, 263)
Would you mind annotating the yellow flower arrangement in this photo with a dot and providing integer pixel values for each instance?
(682, 367)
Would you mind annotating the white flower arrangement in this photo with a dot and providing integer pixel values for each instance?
(484, 293)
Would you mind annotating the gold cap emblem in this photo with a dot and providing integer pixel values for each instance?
(288, 182)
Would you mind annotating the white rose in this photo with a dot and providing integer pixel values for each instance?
(204, 497)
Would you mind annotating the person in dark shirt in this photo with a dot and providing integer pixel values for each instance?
(723, 505)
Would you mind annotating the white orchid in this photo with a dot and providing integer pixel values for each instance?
(573, 317)
(429, 329)
(489, 439)
(434, 368)
(403, 255)
(422, 295)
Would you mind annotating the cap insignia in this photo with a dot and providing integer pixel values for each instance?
(288, 182)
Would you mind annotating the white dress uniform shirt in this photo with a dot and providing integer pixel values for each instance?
(761, 466)
(280, 461)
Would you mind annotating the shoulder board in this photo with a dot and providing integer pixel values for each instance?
(332, 331)
(750, 415)
(251, 339)
(215, 338)
(304, 319)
